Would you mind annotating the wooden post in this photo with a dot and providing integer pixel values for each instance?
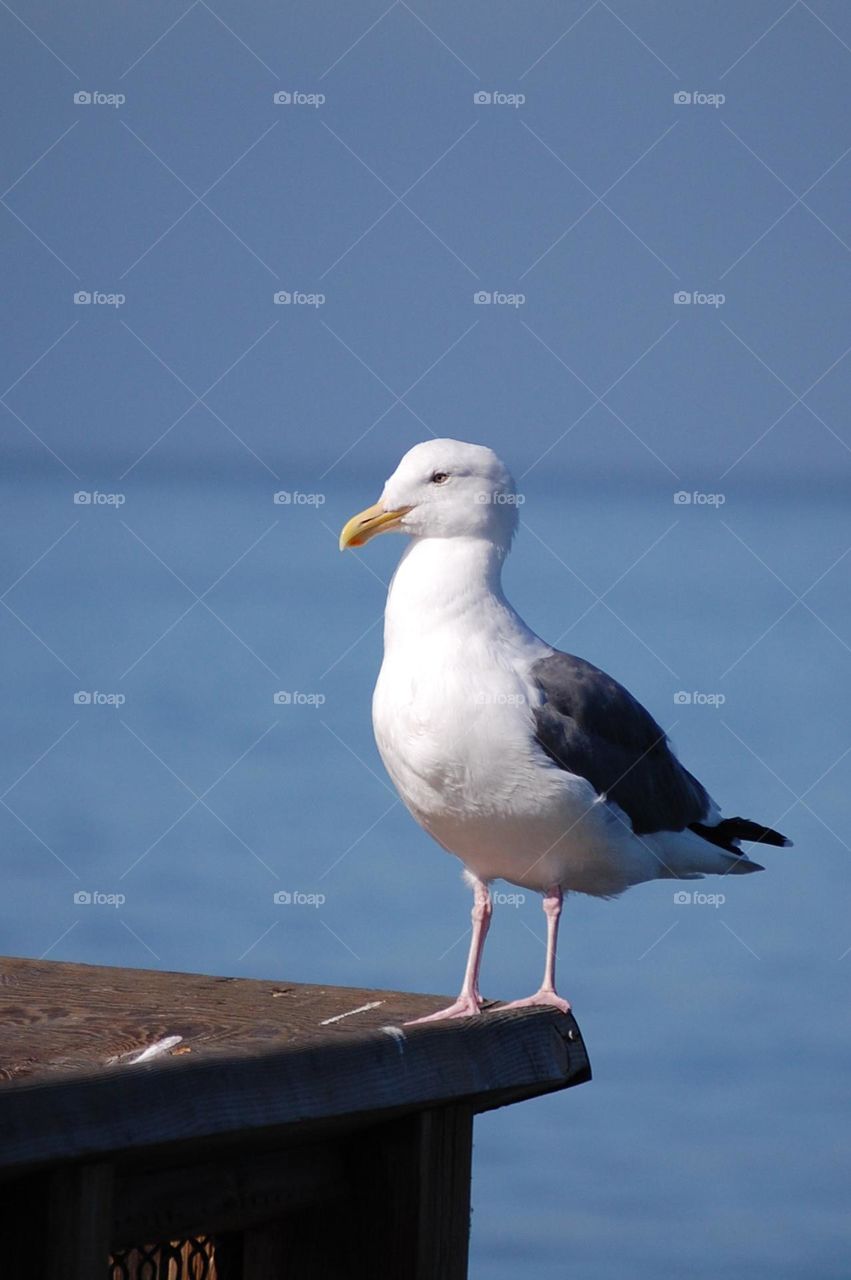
(57, 1225)
(412, 1196)
(79, 1221)
(308, 1131)
(446, 1154)
(406, 1214)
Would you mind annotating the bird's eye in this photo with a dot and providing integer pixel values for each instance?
(440, 477)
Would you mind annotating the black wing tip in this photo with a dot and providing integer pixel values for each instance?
(729, 830)
(756, 833)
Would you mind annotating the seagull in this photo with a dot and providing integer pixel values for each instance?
(529, 765)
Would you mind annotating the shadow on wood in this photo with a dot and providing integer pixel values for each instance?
(302, 1127)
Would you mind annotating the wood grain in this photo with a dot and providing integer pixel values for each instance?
(253, 1057)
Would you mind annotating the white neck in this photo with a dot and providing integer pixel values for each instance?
(443, 581)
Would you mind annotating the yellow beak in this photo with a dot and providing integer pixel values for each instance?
(368, 523)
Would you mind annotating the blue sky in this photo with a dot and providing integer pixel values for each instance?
(398, 198)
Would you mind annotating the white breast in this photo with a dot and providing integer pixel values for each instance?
(452, 713)
(447, 729)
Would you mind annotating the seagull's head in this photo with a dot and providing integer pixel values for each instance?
(442, 489)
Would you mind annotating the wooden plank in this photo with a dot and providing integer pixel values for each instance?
(79, 1222)
(77, 1018)
(406, 1214)
(262, 1059)
(74, 1018)
(446, 1159)
(229, 1193)
(412, 1186)
(57, 1225)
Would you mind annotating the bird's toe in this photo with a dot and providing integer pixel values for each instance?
(464, 1007)
(546, 998)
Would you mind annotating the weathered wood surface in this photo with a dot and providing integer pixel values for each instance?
(253, 1057)
(236, 1193)
(405, 1215)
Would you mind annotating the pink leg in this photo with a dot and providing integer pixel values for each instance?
(547, 994)
(470, 999)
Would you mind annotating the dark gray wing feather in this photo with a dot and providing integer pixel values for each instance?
(590, 725)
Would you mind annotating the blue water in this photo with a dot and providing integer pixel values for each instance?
(713, 1138)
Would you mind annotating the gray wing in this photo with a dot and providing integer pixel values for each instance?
(590, 725)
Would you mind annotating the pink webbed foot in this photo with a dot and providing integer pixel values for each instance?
(540, 998)
(464, 1007)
